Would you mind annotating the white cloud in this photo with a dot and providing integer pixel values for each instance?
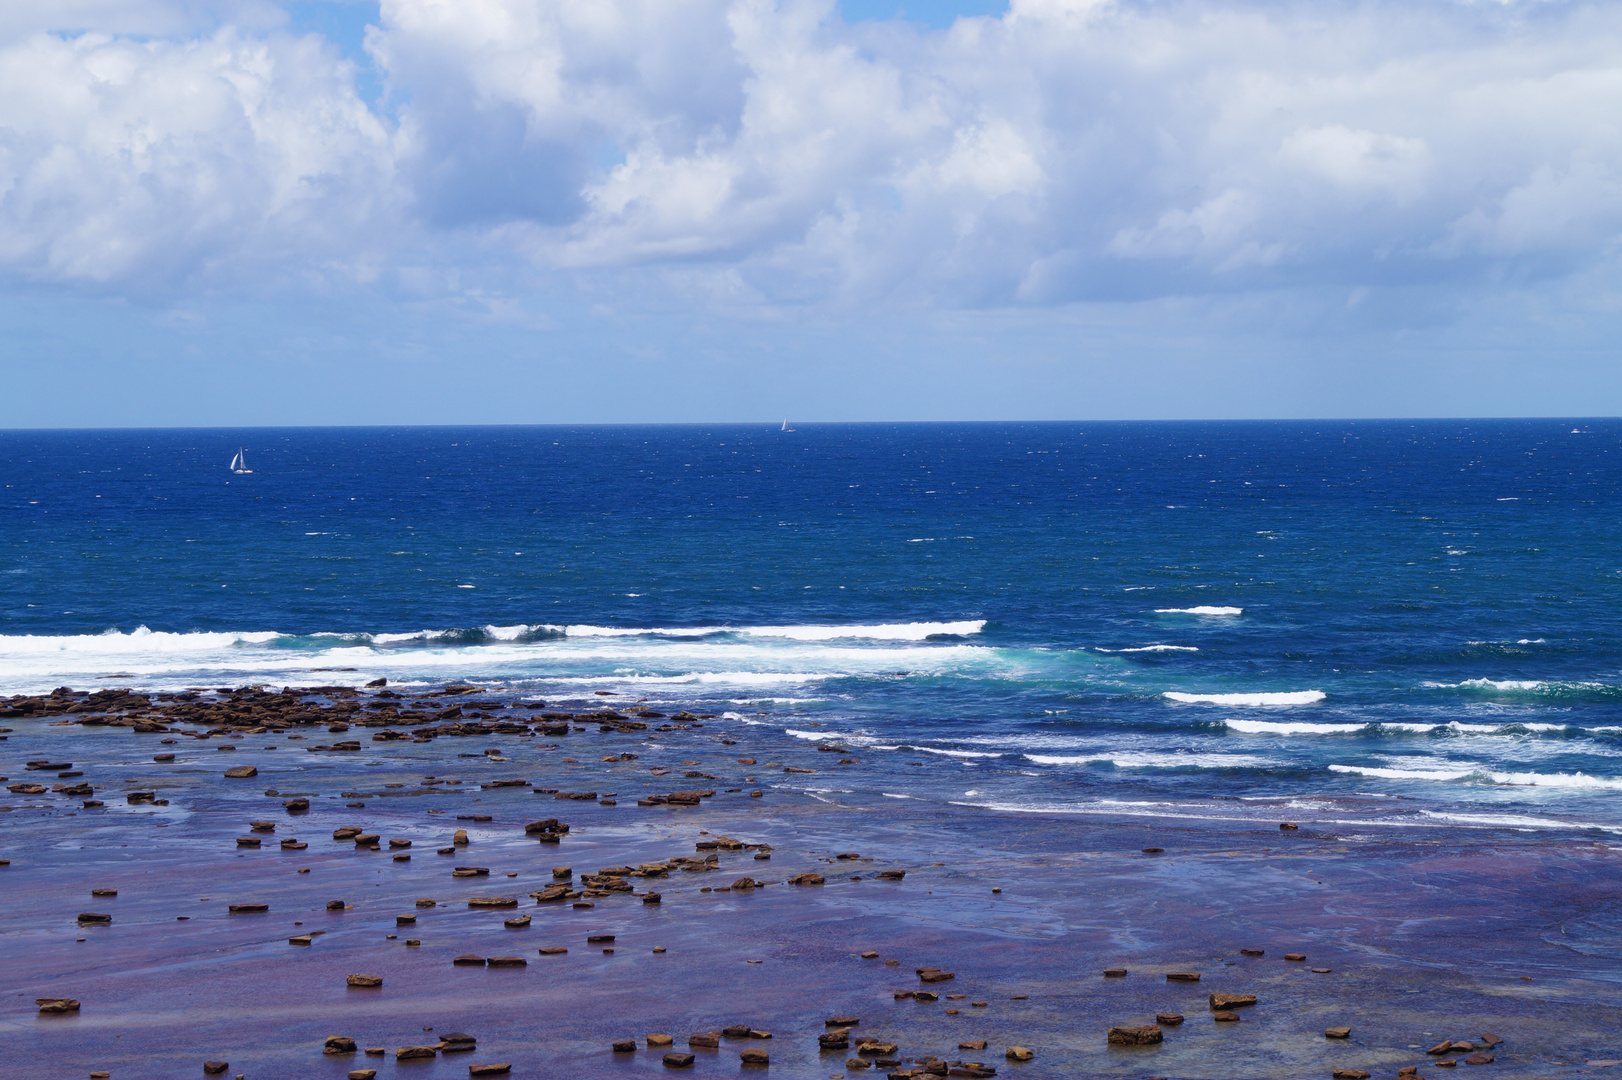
(146, 164)
(1073, 149)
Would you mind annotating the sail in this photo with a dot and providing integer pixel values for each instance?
(236, 462)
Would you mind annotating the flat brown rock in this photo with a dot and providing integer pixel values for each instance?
(1142, 1035)
(1169, 1019)
(1338, 1033)
(754, 1057)
(361, 1074)
(411, 1053)
(492, 901)
(364, 981)
(468, 960)
(660, 1040)
(553, 950)
(214, 1068)
(1020, 1053)
(57, 1005)
(1223, 1002)
(338, 1044)
(239, 772)
(1182, 976)
(1350, 1074)
(506, 962)
(500, 1068)
(678, 1061)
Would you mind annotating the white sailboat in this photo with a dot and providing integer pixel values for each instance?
(786, 427)
(239, 464)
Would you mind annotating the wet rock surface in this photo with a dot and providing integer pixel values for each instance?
(188, 958)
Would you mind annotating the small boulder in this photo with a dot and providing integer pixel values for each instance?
(678, 1061)
(1020, 1053)
(1224, 1002)
(338, 1044)
(1338, 1033)
(240, 772)
(364, 981)
(1143, 1035)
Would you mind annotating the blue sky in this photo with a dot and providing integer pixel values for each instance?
(509, 211)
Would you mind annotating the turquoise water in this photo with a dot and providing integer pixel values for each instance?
(1382, 625)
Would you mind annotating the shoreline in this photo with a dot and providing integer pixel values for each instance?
(1445, 935)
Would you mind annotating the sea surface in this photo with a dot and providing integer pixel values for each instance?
(1374, 627)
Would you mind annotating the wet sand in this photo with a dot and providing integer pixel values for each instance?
(1408, 940)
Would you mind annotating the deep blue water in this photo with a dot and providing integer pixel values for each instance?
(1436, 601)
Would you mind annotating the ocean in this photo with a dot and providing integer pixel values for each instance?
(1372, 627)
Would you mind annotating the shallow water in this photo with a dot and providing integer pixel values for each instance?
(1426, 934)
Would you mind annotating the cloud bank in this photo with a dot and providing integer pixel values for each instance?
(1071, 150)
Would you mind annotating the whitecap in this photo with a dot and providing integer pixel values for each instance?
(1293, 697)
(1171, 760)
(1154, 648)
(1201, 610)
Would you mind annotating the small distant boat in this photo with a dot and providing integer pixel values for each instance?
(239, 464)
(786, 427)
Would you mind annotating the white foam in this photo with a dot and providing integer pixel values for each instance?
(1171, 760)
(917, 631)
(1266, 727)
(1515, 779)
(1201, 610)
(1294, 697)
(1154, 648)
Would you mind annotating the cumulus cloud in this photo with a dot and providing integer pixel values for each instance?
(149, 163)
(1069, 150)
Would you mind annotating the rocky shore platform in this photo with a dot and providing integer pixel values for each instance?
(330, 882)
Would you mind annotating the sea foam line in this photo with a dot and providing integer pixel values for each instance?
(1294, 697)
(1203, 609)
(1556, 780)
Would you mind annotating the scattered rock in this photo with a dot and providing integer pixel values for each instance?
(214, 1068)
(338, 1044)
(809, 878)
(57, 1005)
(239, 772)
(678, 1061)
(1182, 976)
(1231, 1001)
(1349, 1074)
(1225, 1017)
(500, 1068)
(413, 1053)
(1168, 1019)
(755, 1057)
(1478, 1059)
(1020, 1053)
(659, 1040)
(553, 950)
(1338, 1033)
(708, 1040)
(362, 1074)
(506, 962)
(1252, 952)
(1114, 973)
(1143, 1035)
(1295, 956)
(365, 981)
